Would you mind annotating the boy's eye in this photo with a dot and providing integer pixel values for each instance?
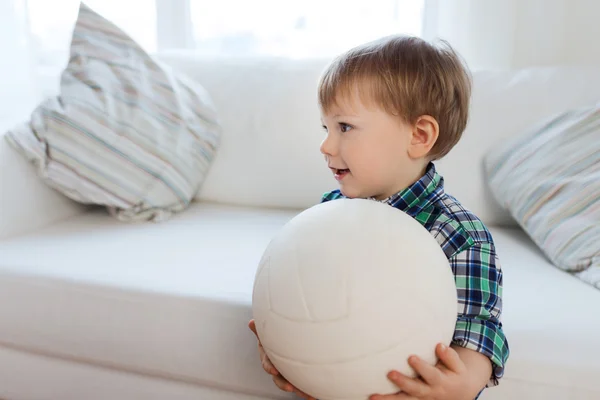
(345, 127)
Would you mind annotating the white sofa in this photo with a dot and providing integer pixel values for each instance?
(94, 309)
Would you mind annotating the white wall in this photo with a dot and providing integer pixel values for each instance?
(488, 33)
(557, 32)
(17, 84)
(518, 33)
(583, 31)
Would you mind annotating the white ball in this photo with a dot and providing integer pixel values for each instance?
(346, 292)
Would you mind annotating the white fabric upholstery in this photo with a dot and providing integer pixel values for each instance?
(272, 131)
(169, 299)
(173, 300)
(550, 322)
(67, 380)
(269, 153)
(26, 203)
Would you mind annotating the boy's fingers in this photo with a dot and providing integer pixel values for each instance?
(409, 386)
(429, 373)
(264, 359)
(303, 395)
(252, 326)
(288, 387)
(282, 384)
(450, 358)
(266, 363)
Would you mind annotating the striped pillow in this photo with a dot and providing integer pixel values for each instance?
(549, 180)
(125, 132)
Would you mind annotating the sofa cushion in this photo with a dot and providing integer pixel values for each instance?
(173, 300)
(169, 300)
(549, 180)
(26, 203)
(268, 109)
(269, 154)
(125, 131)
(550, 322)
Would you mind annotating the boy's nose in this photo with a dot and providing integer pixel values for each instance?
(328, 146)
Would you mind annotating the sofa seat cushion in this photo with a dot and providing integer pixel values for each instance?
(550, 320)
(173, 300)
(169, 299)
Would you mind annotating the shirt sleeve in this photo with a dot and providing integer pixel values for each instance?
(478, 278)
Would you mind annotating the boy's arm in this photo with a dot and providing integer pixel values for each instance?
(478, 277)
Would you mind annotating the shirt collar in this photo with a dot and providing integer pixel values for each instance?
(417, 196)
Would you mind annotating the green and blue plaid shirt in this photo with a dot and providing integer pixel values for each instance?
(470, 250)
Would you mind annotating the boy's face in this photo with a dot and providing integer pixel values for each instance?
(369, 150)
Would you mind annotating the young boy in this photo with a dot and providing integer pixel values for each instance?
(389, 109)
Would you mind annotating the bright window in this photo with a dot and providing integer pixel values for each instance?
(307, 28)
(51, 23)
(51, 26)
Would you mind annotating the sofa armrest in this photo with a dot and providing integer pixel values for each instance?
(26, 202)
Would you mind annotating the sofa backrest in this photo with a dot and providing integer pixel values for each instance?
(271, 129)
(26, 202)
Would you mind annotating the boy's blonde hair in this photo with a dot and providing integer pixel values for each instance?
(407, 77)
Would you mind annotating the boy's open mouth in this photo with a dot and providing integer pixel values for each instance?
(340, 173)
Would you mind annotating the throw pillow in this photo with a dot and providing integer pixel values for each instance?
(126, 131)
(549, 180)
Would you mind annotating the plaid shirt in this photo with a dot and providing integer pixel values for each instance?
(470, 250)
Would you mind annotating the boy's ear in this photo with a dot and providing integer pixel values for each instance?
(425, 133)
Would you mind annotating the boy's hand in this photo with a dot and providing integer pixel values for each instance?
(279, 380)
(450, 379)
